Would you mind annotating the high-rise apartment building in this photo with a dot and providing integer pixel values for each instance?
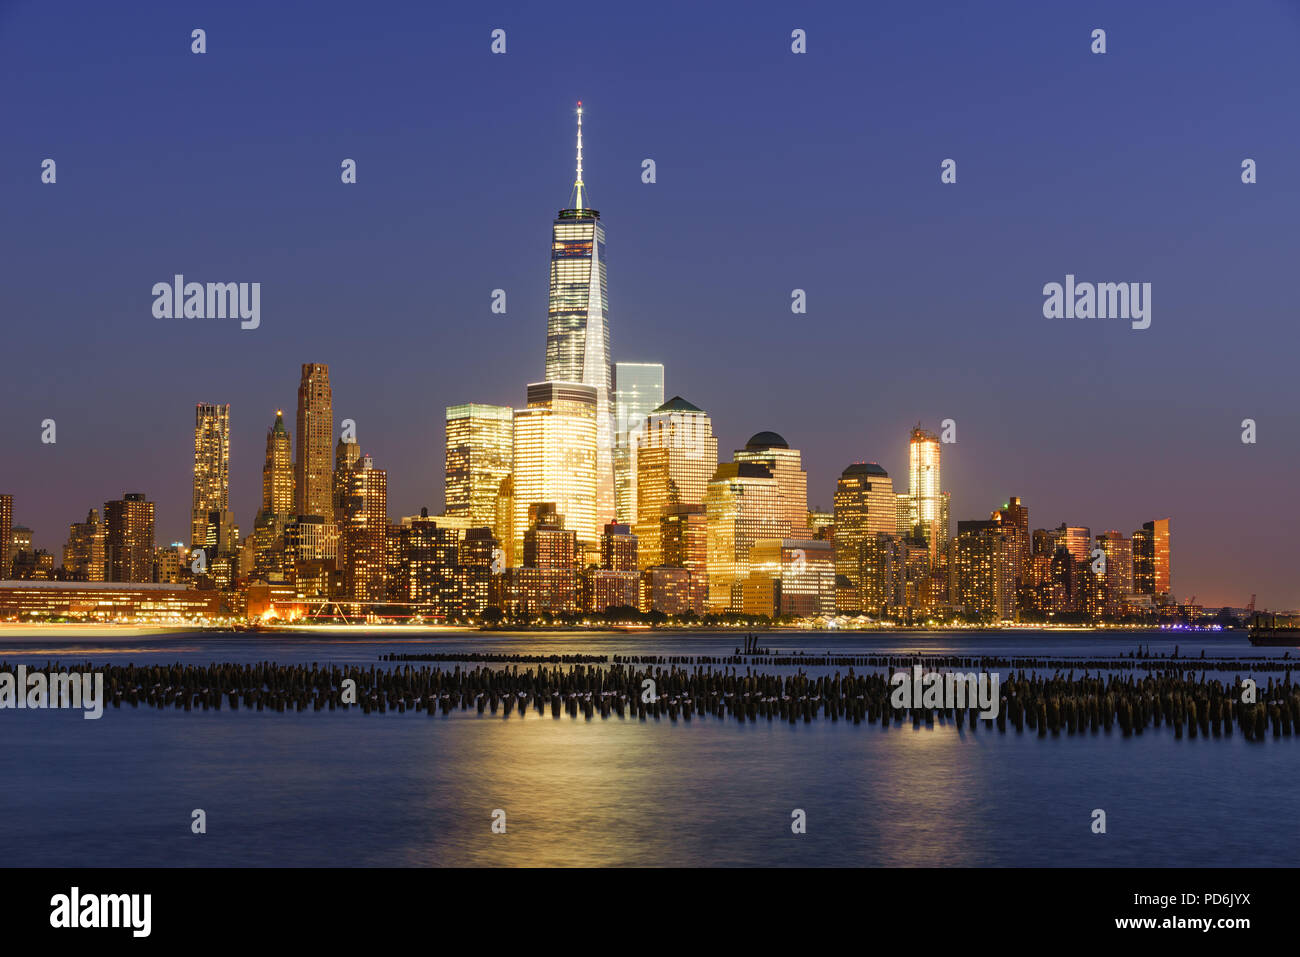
(84, 554)
(365, 534)
(1151, 560)
(6, 535)
(128, 539)
(211, 470)
(480, 456)
(313, 475)
(638, 391)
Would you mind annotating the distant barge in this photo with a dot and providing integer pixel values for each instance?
(1265, 630)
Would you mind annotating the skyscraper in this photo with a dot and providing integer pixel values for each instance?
(577, 329)
(676, 456)
(925, 509)
(277, 502)
(480, 455)
(83, 555)
(128, 539)
(211, 470)
(365, 535)
(1151, 559)
(313, 479)
(638, 391)
(6, 534)
(277, 470)
(742, 505)
(864, 508)
(786, 466)
(555, 458)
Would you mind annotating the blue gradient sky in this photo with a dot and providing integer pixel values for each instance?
(775, 171)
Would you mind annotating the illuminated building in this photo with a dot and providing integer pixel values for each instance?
(313, 479)
(605, 588)
(676, 456)
(277, 502)
(865, 506)
(480, 455)
(669, 590)
(684, 536)
(347, 456)
(577, 339)
(428, 556)
(167, 564)
(1075, 539)
(6, 533)
(880, 575)
(365, 534)
(638, 391)
(106, 601)
(547, 544)
(277, 470)
(503, 522)
(618, 548)
(555, 457)
(84, 555)
(1014, 520)
(786, 466)
(479, 550)
(1118, 577)
(923, 513)
(742, 505)
(804, 572)
(821, 524)
(211, 469)
(975, 568)
(1151, 560)
(128, 539)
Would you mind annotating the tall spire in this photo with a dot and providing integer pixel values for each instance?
(578, 184)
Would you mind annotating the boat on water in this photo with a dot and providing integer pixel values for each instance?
(1266, 630)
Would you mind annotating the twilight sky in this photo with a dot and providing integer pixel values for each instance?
(775, 171)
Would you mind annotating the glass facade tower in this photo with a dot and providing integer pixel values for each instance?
(577, 323)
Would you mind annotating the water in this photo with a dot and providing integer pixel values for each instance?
(342, 788)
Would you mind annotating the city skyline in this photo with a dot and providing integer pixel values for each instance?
(1092, 424)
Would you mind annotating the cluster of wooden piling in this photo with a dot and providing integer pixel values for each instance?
(966, 663)
(1044, 705)
(498, 658)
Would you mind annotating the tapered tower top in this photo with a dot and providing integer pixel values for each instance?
(577, 207)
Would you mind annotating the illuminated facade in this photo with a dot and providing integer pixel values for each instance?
(1151, 560)
(924, 512)
(864, 507)
(347, 456)
(480, 455)
(6, 533)
(676, 456)
(365, 535)
(277, 470)
(106, 601)
(313, 478)
(84, 554)
(1118, 576)
(577, 327)
(742, 505)
(804, 572)
(211, 468)
(555, 458)
(786, 466)
(638, 391)
(128, 539)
